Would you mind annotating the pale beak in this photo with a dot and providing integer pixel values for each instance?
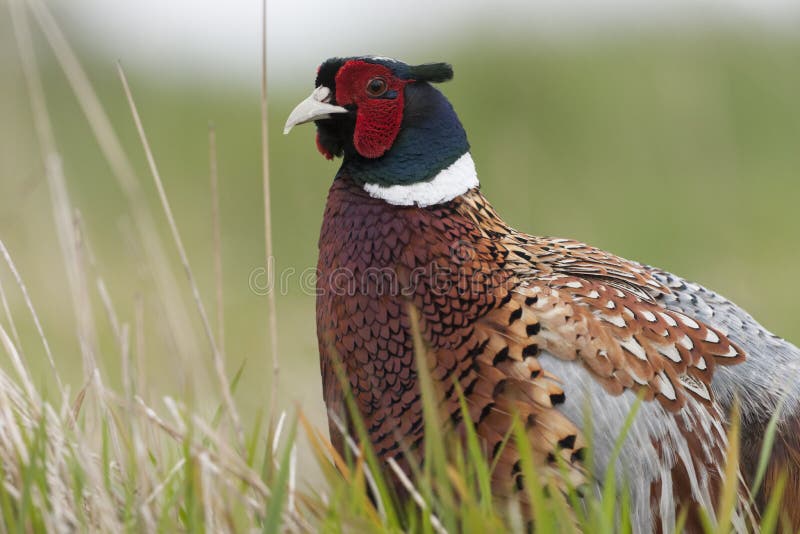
(312, 108)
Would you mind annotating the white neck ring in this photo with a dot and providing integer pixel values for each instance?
(450, 183)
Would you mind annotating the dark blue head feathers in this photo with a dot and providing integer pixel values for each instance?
(426, 72)
(430, 138)
(432, 72)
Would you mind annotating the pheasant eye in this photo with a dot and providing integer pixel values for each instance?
(376, 86)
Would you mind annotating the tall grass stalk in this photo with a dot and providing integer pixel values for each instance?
(219, 364)
(216, 237)
(144, 225)
(269, 265)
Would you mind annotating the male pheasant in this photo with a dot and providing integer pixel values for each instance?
(527, 326)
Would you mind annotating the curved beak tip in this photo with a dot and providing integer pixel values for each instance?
(311, 109)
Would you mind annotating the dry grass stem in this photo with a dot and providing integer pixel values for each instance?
(418, 499)
(144, 223)
(217, 236)
(353, 446)
(10, 318)
(59, 196)
(29, 304)
(219, 364)
(272, 320)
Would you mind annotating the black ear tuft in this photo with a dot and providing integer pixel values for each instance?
(432, 72)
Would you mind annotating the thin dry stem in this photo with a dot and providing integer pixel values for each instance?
(141, 370)
(415, 495)
(16, 361)
(10, 318)
(234, 464)
(122, 170)
(59, 195)
(217, 236)
(26, 297)
(165, 481)
(272, 321)
(102, 289)
(278, 429)
(125, 355)
(219, 364)
(373, 486)
(205, 485)
(292, 480)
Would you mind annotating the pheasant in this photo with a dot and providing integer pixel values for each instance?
(531, 327)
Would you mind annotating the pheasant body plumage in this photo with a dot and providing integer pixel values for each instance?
(531, 327)
(505, 340)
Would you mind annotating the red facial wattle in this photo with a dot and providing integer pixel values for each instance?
(378, 118)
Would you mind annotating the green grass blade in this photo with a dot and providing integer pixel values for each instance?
(280, 489)
(769, 519)
(730, 484)
(542, 516)
(478, 460)
(766, 450)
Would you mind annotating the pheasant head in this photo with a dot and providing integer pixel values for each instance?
(387, 122)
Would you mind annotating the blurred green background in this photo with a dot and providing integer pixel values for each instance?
(679, 149)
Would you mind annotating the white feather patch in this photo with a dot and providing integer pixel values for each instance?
(616, 320)
(688, 321)
(712, 336)
(670, 321)
(666, 387)
(650, 316)
(695, 386)
(634, 348)
(450, 183)
(670, 352)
